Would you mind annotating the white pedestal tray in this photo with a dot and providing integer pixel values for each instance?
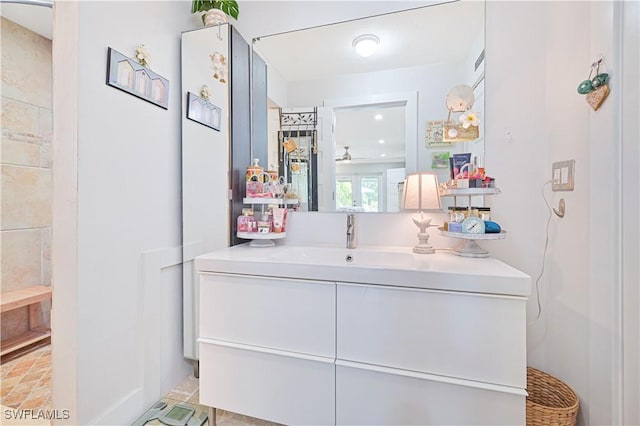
(265, 239)
(468, 247)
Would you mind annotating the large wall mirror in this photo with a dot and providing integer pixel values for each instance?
(345, 129)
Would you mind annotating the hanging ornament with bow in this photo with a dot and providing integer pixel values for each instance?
(595, 88)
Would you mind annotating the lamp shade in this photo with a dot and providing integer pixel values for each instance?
(421, 192)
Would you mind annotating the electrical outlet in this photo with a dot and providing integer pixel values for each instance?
(562, 173)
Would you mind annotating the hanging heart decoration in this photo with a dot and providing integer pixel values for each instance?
(596, 97)
(595, 88)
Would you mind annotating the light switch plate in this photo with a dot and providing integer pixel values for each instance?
(562, 173)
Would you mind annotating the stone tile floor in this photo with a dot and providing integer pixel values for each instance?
(26, 381)
(26, 384)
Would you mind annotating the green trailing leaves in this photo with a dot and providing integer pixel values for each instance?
(230, 7)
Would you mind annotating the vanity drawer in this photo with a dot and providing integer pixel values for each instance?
(367, 395)
(466, 335)
(272, 385)
(285, 314)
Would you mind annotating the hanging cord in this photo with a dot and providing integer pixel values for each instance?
(544, 255)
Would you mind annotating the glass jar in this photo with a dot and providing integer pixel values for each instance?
(485, 213)
(457, 214)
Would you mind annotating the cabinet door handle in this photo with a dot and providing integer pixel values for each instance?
(270, 351)
(431, 377)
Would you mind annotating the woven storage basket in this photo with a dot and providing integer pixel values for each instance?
(550, 401)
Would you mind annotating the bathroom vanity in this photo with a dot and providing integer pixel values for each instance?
(326, 335)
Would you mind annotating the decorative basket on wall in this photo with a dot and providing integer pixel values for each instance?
(550, 401)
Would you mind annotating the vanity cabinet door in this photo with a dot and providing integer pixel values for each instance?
(272, 385)
(367, 395)
(465, 335)
(284, 314)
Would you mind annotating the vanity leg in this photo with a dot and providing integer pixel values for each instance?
(212, 416)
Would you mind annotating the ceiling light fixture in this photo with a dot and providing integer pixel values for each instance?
(381, 141)
(377, 117)
(366, 44)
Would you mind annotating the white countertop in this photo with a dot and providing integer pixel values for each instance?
(395, 266)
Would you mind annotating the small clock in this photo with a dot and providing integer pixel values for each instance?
(473, 225)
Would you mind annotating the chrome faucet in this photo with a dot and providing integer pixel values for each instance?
(351, 231)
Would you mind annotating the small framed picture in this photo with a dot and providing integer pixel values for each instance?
(440, 160)
(434, 134)
(129, 76)
(204, 112)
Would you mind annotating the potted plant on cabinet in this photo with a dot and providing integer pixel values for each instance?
(216, 11)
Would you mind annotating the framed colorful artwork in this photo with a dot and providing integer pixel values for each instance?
(434, 134)
(128, 75)
(440, 159)
(204, 112)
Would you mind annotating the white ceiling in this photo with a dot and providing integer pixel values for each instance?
(357, 129)
(426, 35)
(38, 19)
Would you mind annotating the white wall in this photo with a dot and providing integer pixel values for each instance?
(379, 229)
(543, 118)
(531, 87)
(365, 168)
(121, 302)
(629, 211)
(276, 87)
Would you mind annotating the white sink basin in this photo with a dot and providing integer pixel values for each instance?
(397, 266)
(335, 256)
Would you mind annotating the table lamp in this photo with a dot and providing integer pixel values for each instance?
(421, 193)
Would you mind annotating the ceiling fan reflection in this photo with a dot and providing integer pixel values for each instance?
(346, 157)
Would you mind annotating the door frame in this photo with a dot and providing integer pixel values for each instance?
(407, 99)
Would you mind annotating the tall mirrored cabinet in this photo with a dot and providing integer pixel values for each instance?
(216, 149)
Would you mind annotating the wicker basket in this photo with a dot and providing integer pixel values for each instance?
(550, 401)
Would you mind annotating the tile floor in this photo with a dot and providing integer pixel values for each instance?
(26, 384)
(188, 391)
(26, 381)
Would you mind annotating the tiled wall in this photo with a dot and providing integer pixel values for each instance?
(25, 181)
